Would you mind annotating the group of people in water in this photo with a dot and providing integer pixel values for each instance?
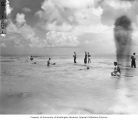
(48, 62)
(117, 71)
(87, 57)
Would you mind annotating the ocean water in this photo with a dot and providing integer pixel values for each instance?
(65, 88)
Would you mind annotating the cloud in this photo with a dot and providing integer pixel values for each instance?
(128, 0)
(87, 19)
(31, 37)
(26, 32)
(76, 4)
(51, 13)
(64, 27)
(60, 23)
(98, 42)
(135, 35)
(112, 9)
(8, 8)
(88, 16)
(61, 16)
(117, 4)
(25, 9)
(20, 18)
(99, 28)
(61, 39)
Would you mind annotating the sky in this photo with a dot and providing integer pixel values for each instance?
(60, 27)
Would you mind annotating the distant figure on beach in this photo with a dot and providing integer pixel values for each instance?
(89, 58)
(86, 68)
(85, 58)
(49, 62)
(116, 71)
(75, 56)
(31, 58)
(133, 61)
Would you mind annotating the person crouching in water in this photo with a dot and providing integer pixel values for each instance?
(116, 71)
(31, 58)
(48, 62)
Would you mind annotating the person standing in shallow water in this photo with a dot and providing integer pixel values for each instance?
(85, 58)
(89, 58)
(75, 56)
(133, 61)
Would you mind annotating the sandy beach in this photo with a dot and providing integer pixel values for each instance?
(65, 88)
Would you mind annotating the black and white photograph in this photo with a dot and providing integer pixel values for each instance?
(69, 57)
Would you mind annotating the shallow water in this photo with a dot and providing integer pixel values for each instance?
(65, 88)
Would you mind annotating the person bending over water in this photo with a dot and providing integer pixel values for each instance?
(133, 61)
(116, 71)
(50, 63)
